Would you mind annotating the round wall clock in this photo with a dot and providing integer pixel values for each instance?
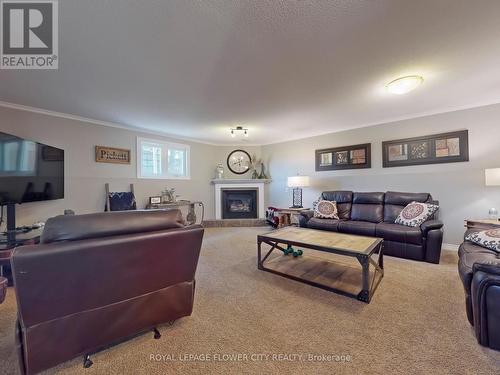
(239, 161)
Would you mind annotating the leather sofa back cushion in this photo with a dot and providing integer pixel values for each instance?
(368, 207)
(344, 202)
(396, 201)
(106, 224)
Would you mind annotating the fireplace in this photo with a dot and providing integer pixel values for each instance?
(239, 204)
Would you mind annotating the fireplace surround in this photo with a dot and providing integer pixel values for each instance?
(258, 185)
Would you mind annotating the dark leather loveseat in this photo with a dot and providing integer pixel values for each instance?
(373, 214)
(479, 270)
(98, 279)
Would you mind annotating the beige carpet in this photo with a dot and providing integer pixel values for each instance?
(415, 324)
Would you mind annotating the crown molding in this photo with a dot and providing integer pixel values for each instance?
(68, 116)
(98, 122)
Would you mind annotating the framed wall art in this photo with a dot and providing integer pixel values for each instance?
(347, 157)
(431, 149)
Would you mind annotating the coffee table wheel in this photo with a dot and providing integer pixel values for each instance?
(295, 254)
(300, 252)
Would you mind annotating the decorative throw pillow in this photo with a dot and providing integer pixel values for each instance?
(415, 214)
(326, 210)
(489, 239)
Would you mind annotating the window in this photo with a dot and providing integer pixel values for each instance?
(162, 160)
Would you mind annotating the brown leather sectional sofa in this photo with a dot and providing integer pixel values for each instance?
(479, 270)
(98, 279)
(373, 214)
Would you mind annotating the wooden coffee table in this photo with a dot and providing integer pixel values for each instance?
(328, 271)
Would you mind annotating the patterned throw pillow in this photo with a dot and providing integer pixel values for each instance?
(415, 214)
(325, 210)
(489, 239)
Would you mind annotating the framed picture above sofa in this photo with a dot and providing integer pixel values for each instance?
(347, 157)
(431, 149)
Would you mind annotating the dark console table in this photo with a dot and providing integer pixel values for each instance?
(9, 243)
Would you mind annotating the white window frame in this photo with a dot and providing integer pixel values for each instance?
(165, 147)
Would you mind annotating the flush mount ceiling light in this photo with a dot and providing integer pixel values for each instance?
(239, 129)
(404, 85)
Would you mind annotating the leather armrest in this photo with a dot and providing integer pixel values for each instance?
(307, 214)
(491, 267)
(304, 217)
(430, 225)
(485, 298)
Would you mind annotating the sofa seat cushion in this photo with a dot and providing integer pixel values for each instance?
(324, 224)
(469, 254)
(399, 233)
(362, 228)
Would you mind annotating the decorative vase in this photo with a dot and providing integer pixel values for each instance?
(493, 214)
(219, 172)
(262, 175)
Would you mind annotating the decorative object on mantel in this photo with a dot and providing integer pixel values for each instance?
(255, 166)
(262, 175)
(297, 183)
(347, 157)
(219, 172)
(239, 161)
(112, 155)
(431, 149)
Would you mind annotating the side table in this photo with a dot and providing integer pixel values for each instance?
(7, 246)
(482, 224)
(191, 215)
(289, 216)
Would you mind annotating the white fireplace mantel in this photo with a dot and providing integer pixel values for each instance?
(258, 184)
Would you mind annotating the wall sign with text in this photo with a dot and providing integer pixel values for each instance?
(112, 155)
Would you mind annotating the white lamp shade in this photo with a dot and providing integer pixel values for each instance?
(492, 176)
(298, 181)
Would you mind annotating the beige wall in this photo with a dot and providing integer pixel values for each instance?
(85, 179)
(459, 186)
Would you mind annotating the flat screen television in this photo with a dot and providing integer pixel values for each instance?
(29, 171)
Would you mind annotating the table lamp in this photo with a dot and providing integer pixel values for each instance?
(297, 183)
(492, 178)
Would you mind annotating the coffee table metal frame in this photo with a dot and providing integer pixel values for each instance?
(365, 259)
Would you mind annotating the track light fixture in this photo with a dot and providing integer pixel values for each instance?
(239, 129)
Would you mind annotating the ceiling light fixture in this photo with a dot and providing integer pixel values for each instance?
(239, 129)
(404, 85)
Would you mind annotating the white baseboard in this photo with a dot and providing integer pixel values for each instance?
(450, 246)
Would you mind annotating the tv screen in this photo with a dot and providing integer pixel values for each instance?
(29, 171)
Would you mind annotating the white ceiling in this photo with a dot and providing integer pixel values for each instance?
(284, 69)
